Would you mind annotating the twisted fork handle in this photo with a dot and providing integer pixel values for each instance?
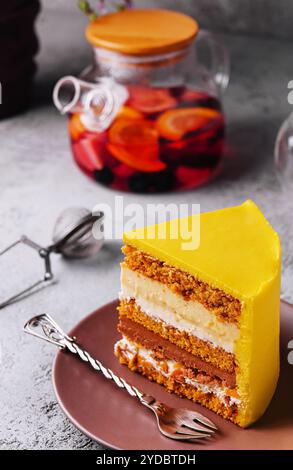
(51, 332)
(108, 373)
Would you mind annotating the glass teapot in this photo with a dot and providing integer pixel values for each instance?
(146, 116)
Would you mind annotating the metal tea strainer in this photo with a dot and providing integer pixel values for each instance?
(72, 237)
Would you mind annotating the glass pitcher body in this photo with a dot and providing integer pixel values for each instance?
(149, 122)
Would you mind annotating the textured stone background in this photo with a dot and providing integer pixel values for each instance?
(38, 179)
(257, 17)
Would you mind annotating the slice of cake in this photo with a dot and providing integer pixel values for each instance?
(205, 322)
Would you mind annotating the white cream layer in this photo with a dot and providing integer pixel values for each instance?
(131, 349)
(160, 303)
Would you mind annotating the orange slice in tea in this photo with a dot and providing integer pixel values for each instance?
(150, 100)
(135, 159)
(175, 123)
(129, 113)
(75, 127)
(135, 143)
(131, 132)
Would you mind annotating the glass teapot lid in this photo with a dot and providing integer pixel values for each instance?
(142, 31)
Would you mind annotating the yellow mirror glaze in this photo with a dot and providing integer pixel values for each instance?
(239, 253)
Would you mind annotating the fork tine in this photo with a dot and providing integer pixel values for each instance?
(198, 417)
(183, 433)
(190, 424)
(187, 419)
(185, 436)
(190, 436)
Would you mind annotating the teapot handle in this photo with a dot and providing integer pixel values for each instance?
(219, 58)
(97, 102)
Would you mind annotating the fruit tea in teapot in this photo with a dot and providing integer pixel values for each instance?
(146, 117)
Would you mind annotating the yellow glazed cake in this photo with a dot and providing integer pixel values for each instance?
(204, 322)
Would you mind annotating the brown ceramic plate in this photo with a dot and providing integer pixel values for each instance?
(109, 415)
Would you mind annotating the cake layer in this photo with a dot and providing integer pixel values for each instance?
(177, 379)
(224, 306)
(202, 349)
(167, 350)
(160, 302)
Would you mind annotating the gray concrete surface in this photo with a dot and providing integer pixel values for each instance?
(38, 179)
(258, 17)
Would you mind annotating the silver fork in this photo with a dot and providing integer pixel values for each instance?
(180, 424)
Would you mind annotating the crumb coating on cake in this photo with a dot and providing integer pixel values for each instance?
(210, 401)
(224, 306)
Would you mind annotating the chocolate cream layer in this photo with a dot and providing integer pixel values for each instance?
(169, 351)
(186, 382)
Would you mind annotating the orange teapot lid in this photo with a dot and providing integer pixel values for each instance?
(142, 31)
